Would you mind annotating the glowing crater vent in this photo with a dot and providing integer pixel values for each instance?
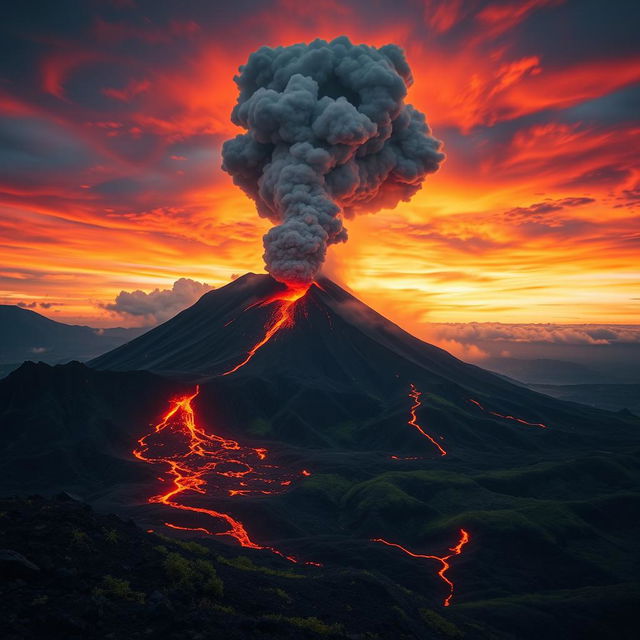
(283, 316)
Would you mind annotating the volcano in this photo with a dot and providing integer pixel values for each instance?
(333, 341)
(304, 427)
(338, 374)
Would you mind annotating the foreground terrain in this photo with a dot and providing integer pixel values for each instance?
(348, 480)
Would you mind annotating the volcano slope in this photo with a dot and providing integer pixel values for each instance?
(369, 434)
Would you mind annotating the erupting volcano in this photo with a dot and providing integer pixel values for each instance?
(279, 373)
(325, 372)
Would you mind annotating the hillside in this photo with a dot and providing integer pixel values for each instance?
(341, 433)
(27, 335)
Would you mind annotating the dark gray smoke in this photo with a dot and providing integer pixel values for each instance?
(328, 133)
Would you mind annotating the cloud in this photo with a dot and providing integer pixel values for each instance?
(576, 334)
(606, 175)
(132, 89)
(631, 197)
(160, 304)
(41, 305)
(539, 211)
(462, 351)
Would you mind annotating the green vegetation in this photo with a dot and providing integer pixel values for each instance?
(309, 624)
(186, 545)
(118, 589)
(195, 575)
(345, 432)
(281, 593)
(327, 486)
(79, 538)
(437, 623)
(245, 564)
(111, 535)
(259, 427)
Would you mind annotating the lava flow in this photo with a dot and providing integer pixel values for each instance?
(203, 463)
(443, 560)
(501, 415)
(414, 394)
(282, 317)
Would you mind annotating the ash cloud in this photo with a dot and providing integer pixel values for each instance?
(328, 135)
(160, 304)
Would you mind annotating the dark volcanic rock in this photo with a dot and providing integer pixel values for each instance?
(15, 565)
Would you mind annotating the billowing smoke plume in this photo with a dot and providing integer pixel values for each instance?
(328, 134)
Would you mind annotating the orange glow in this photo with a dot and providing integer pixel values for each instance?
(501, 415)
(283, 317)
(198, 461)
(443, 560)
(521, 125)
(414, 394)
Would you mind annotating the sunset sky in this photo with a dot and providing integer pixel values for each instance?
(113, 113)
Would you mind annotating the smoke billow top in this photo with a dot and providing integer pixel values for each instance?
(328, 134)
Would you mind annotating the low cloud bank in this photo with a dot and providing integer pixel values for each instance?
(577, 334)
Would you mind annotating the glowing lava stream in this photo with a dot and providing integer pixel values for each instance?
(443, 560)
(415, 395)
(282, 318)
(200, 460)
(500, 415)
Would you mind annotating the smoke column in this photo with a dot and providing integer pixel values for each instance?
(328, 135)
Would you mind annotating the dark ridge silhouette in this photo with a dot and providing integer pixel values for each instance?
(27, 335)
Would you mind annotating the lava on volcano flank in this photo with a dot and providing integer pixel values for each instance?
(283, 316)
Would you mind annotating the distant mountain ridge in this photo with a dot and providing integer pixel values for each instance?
(547, 371)
(27, 335)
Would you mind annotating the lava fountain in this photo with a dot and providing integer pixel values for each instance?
(443, 560)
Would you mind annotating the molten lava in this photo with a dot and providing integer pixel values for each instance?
(500, 415)
(413, 420)
(283, 317)
(203, 463)
(443, 560)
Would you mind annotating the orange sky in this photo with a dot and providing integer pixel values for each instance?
(114, 179)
